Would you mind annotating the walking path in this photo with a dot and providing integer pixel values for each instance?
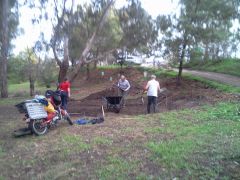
(223, 78)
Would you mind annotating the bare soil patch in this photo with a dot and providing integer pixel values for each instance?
(189, 95)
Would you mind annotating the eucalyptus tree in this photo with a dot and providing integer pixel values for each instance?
(63, 24)
(85, 21)
(62, 34)
(8, 29)
(138, 27)
(31, 68)
(201, 24)
(214, 21)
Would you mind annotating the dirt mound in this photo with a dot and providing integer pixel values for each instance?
(133, 75)
(91, 105)
(189, 95)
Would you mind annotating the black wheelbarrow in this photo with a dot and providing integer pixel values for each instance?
(113, 103)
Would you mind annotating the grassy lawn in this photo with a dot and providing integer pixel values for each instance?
(24, 88)
(227, 66)
(201, 143)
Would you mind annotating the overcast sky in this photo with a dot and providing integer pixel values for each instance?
(31, 32)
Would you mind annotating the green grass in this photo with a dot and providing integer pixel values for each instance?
(20, 92)
(24, 87)
(116, 168)
(172, 153)
(73, 144)
(102, 141)
(13, 101)
(2, 153)
(114, 66)
(226, 66)
(213, 84)
(209, 135)
(12, 88)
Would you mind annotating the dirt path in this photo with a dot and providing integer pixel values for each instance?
(223, 78)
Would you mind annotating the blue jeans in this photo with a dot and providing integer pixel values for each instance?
(64, 98)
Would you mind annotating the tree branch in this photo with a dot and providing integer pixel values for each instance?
(83, 58)
(57, 30)
(100, 57)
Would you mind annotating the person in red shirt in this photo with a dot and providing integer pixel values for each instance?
(64, 87)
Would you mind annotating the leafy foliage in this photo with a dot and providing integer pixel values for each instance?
(205, 26)
(139, 30)
(48, 72)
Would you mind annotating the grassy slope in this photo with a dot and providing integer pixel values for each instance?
(187, 144)
(225, 66)
(210, 83)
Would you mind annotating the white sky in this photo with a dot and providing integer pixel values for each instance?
(32, 32)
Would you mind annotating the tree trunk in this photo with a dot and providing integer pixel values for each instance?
(181, 62)
(4, 49)
(213, 52)
(62, 72)
(122, 60)
(206, 54)
(32, 85)
(217, 52)
(63, 65)
(88, 72)
(95, 65)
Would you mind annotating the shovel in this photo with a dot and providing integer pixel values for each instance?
(142, 98)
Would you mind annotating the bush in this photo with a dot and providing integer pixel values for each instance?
(48, 73)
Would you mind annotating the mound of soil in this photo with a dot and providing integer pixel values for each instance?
(189, 95)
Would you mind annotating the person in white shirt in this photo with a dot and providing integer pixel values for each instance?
(123, 88)
(152, 88)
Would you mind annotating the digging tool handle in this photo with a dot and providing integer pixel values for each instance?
(118, 87)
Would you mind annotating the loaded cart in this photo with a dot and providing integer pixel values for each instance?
(113, 103)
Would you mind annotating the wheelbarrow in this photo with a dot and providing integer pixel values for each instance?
(113, 103)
